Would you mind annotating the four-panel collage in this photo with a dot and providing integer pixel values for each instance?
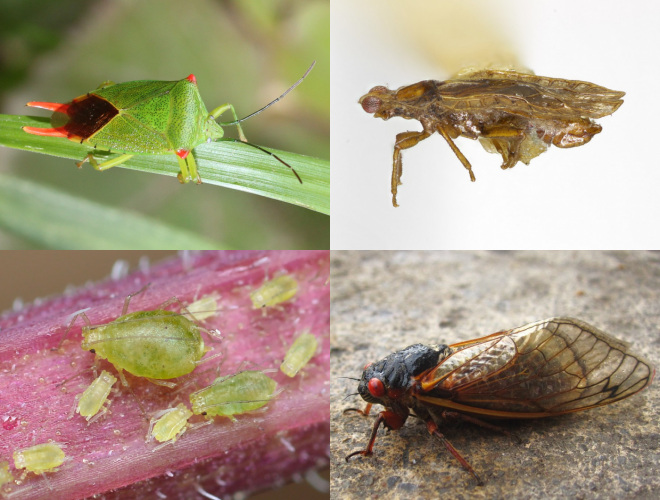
(219, 281)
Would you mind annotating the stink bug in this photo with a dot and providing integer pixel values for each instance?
(543, 369)
(145, 117)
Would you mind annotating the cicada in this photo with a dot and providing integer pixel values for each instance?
(517, 115)
(543, 369)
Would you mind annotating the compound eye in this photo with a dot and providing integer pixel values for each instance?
(376, 388)
(371, 104)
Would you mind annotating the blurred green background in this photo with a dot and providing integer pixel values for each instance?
(243, 52)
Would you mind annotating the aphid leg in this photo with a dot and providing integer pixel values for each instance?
(476, 421)
(84, 317)
(220, 110)
(457, 152)
(390, 420)
(404, 140)
(163, 383)
(433, 429)
(128, 298)
(507, 141)
(106, 164)
(104, 409)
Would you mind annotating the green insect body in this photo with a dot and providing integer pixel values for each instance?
(274, 292)
(145, 117)
(299, 354)
(39, 458)
(204, 308)
(5, 476)
(91, 401)
(156, 344)
(235, 394)
(171, 424)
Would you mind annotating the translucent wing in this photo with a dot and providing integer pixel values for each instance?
(555, 366)
(528, 95)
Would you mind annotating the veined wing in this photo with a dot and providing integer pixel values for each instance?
(528, 95)
(550, 367)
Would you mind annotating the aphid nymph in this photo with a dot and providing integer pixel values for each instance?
(274, 292)
(92, 400)
(40, 458)
(299, 354)
(233, 395)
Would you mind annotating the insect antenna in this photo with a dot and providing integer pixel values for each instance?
(265, 151)
(274, 101)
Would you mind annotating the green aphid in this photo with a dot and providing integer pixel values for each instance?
(299, 354)
(157, 344)
(170, 424)
(274, 292)
(91, 401)
(6, 477)
(145, 117)
(39, 458)
(235, 394)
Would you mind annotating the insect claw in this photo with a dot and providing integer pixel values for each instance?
(364, 453)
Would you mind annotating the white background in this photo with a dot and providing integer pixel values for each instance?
(604, 195)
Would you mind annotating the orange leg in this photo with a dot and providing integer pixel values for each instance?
(457, 152)
(507, 141)
(404, 140)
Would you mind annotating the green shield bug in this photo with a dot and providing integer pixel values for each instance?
(146, 117)
(235, 394)
(39, 458)
(156, 344)
(299, 354)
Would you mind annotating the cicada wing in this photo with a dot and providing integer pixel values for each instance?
(550, 367)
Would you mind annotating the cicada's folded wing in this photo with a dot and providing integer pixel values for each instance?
(551, 367)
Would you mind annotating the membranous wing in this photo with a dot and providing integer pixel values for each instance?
(528, 95)
(550, 367)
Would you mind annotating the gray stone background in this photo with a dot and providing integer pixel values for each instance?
(384, 301)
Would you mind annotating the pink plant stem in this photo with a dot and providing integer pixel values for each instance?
(110, 456)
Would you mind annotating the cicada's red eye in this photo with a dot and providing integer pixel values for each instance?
(376, 388)
(367, 366)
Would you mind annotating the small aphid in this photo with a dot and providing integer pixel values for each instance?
(92, 400)
(299, 354)
(228, 396)
(204, 308)
(170, 424)
(274, 292)
(517, 115)
(5, 476)
(39, 458)
(157, 344)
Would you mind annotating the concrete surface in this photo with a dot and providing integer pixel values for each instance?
(384, 301)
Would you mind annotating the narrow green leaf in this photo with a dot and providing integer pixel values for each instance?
(224, 163)
(57, 220)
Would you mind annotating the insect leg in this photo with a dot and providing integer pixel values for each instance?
(220, 110)
(390, 420)
(128, 298)
(106, 164)
(507, 141)
(364, 412)
(433, 429)
(404, 140)
(457, 152)
(87, 321)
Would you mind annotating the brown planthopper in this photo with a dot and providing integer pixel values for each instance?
(517, 115)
